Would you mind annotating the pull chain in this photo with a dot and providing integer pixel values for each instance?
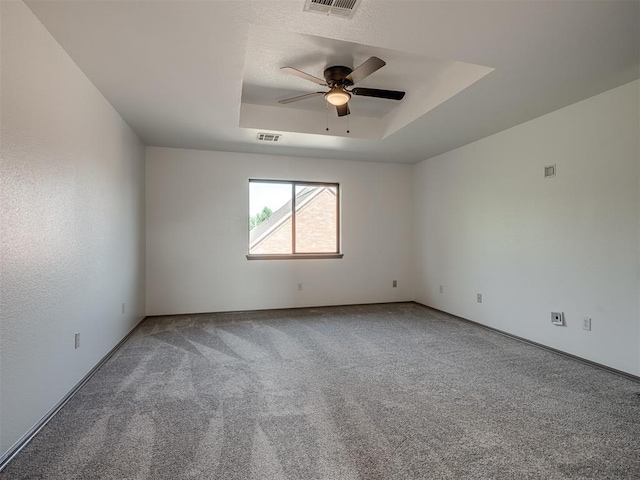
(327, 105)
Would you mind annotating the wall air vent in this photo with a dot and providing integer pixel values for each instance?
(550, 171)
(334, 8)
(269, 137)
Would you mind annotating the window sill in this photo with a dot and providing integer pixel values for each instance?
(295, 256)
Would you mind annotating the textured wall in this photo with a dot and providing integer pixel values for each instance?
(197, 239)
(488, 222)
(71, 225)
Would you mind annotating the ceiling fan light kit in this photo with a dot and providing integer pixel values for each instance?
(337, 96)
(338, 78)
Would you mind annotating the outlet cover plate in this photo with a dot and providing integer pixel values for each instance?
(586, 323)
(557, 318)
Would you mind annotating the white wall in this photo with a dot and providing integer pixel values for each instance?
(197, 209)
(71, 224)
(489, 222)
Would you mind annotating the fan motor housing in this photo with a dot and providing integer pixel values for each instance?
(337, 76)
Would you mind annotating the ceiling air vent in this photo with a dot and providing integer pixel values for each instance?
(269, 137)
(334, 8)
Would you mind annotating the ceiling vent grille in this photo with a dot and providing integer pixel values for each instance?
(334, 8)
(269, 137)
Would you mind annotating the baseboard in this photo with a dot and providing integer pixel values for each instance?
(627, 375)
(27, 437)
(277, 309)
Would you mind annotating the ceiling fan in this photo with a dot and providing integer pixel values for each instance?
(338, 79)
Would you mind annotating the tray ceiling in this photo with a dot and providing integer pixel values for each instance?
(190, 74)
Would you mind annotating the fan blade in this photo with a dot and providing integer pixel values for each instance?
(301, 97)
(306, 76)
(343, 109)
(366, 69)
(374, 92)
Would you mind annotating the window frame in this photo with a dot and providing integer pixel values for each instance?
(290, 256)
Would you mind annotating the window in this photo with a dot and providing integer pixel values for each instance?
(293, 219)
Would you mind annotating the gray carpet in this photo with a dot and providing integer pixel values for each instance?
(365, 392)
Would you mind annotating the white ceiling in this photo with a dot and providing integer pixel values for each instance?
(175, 70)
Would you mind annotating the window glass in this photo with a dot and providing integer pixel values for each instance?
(270, 226)
(316, 219)
(277, 228)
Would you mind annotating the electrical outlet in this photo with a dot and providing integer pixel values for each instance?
(441, 288)
(395, 283)
(123, 308)
(479, 298)
(586, 323)
(77, 340)
(299, 287)
(557, 318)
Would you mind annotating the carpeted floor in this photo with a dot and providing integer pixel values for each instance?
(388, 391)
